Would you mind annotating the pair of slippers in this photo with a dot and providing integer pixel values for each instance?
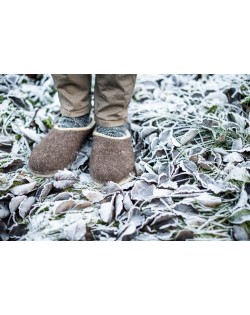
(112, 158)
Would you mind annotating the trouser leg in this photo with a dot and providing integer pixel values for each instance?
(74, 91)
(113, 93)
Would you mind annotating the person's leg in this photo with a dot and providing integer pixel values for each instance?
(112, 157)
(59, 148)
(113, 93)
(74, 91)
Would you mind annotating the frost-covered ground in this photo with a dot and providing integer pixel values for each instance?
(191, 138)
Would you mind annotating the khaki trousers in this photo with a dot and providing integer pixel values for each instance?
(113, 93)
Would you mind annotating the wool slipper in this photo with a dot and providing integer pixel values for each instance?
(58, 149)
(112, 158)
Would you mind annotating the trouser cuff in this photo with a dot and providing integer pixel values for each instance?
(78, 113)
(110, 123)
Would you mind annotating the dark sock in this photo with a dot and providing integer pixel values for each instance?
(118, 131)
(74, 122)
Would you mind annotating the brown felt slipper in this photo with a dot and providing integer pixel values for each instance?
(112, 158)
(58, 149)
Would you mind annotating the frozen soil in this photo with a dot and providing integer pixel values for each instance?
(191, 140)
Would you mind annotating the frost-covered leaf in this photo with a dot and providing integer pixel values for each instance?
(25, 206)
(11, 165)
(184, 235)
(111, 187)
(107, 212)
(245, 165)
(75, 231)
(195, 221)
(4, 211)
(189, 167)
(93, 196)
(166, 168)
(127, 202)
(164, 136)
(188, 136)
(237, 144)
(128, 185)
(240, 216)
(173, 142)
(147, 131)
(118, 205)
(128, 232)
(30, 133)
(240, 233)
(62, 184)
(206, 165)
(85, 178)
(239, 119)
(166, 183)
(163, 220)
(17, 230)
(233, 157)
(23, 189)
(161, 192)
(3, 227)
(15, 202)
(62, 196)
(63, 206)
(245, 149)
(208, 200)
(150, 178)
(64, 175)
(165, 236)
(243, 199)
(239, 174)
(187, 189)
(219, 96)
(185, 206)
(135, 216)
(82, 205)
(205, 180)
(141, 190)
(43, 191)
